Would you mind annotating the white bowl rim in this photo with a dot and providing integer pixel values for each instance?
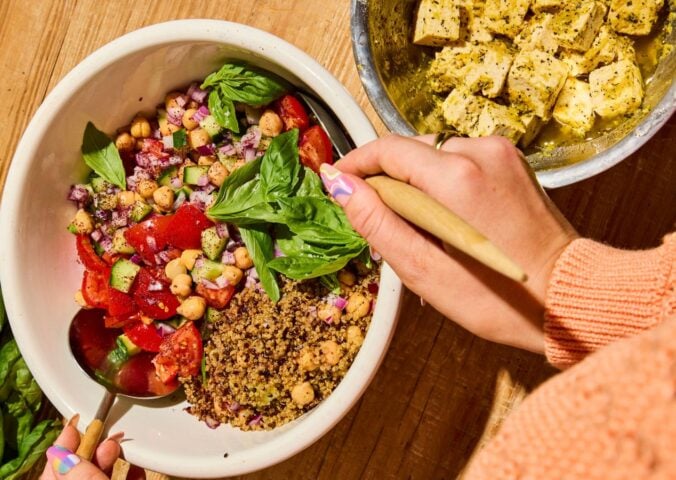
(308, 70)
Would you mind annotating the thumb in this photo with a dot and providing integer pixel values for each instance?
(65, 464)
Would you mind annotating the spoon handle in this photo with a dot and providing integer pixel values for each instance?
(92, 435)
(428, 214)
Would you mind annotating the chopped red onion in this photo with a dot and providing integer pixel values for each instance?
(181, 100)
(206, 150)
(177, 183)
(221, 281)
(329, 320)
(202, 180)
(222, 230)
(252, 273)
(175, 115)
(208, 188)
(209, 284)
(249, 154)
(168, 141)
(200, 199)
(175, 160)
(136, 258)
(233, 406)
(106, 243)
(96, 235)
(340, 302)
(78, 193)
(155, 286)
(151, 242)
(196, 93)
(256, 420)
(200, 114)
(228, 150)
(251, 282)
(164, 256)
(120, 218)
(228, 258)
(211, 423)
(164, 330)
(157, 134)
(199, 263)
(251, 138)
(373, 288)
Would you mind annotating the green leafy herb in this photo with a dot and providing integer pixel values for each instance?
(180, 138)
(236, 82)
(262, 250)
(100, 154)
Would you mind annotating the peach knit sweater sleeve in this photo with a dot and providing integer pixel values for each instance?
(613, 415)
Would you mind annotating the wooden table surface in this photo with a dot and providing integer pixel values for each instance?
(440, 392)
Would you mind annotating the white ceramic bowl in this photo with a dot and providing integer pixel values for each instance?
(38, 267)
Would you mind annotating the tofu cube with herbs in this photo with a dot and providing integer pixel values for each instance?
(476, 67)
(538, 35)
(437, 23)
(534, 82)
(461, 110)
(506, 17)
(496, 119)
(616, 89)
(603, 51)
(547, 5)
(532, 125)
(473, 23)
(635, 17)
(574, 109)
(577, 24)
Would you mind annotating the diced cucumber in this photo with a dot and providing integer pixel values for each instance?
(72, 229)
(118, 356)
(100, 185)
(212, 243)
(180, 139)
(162, 119)
(120, 244)
(139, 211)
(122, 274)
(166, 176)
(207, 269)
(132, 348)
(192, 173)
(185, 190)
(213, 315)
(210, 125)
(177, 322)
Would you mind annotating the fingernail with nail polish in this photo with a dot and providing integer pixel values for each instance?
(62, 459)
(116, 437)
(339, 186)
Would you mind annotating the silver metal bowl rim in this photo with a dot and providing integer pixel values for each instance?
(554, 178)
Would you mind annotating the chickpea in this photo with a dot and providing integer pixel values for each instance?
(358, 306)
(140, 127)
(347, 278)
(181, 285)
(329, 314)
(187, 120)
(164, 197)
(79, 298)
(126, 198)
(82, 223)
(232, 274)
(198, 138)
(146, 188)
(354, 337)
(302, 394)
(192, 307)
(125, 142)
(307, 360)
(174, 268)
(168, 128)
(192, 104)
(242, 258)
(170, 101)
(188, 258)
(331, 353)
(217, 173)
(206, 160)
(270, 124)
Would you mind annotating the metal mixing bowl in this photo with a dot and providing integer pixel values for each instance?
(392, 70)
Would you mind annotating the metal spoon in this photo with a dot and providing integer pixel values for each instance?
(91, 343)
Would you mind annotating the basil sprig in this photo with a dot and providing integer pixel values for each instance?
(236, 82)
(275, 199)
(101, 155)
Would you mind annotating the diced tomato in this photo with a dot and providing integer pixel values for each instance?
(87, 255)
(110, 258)
(153, 296)
(120, 304)
(152, 145)
(144, 336)
(149, 237)
(217, 298)
(292, 112)
(180, 354)
(122, 320)
(314, 148)
(95, 288)
(186, 227)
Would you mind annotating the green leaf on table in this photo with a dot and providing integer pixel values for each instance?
(31, 449)
(262, 250)
(101, 155)
(9, 355)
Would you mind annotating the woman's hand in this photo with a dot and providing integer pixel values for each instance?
(486, 182)
(62, 463)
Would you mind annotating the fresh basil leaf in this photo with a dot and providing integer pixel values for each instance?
(280, 166)
(303, 268)
(310, 185)
(100, 154)
(223, 110)
(235, 192)
(180, 138)
(261, 248)
(331, 282)
(241, 83)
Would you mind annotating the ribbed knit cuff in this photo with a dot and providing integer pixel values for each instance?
(598, 294)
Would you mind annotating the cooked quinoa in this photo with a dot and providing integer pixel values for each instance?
(266, 364)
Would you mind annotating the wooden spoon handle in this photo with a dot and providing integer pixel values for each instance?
(90, 439)
(422, 210)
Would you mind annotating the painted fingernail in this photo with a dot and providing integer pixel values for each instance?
(116, 437)
(339, 186)
(62, 459)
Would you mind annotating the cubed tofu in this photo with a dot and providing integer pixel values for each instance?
(532, 125)
(538, 35)
(602, 51)
(616, 89)
(546, 5)
(462, 110)
(576, 25)
(506, 17)
(473, 24)
(437, 23)
(496, 119)
(635, 17)
(574, 109)
(534, 82)
(476, 67)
